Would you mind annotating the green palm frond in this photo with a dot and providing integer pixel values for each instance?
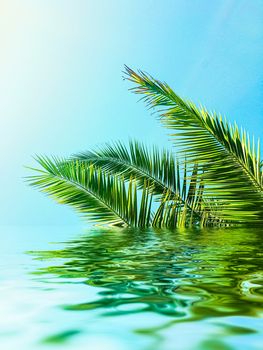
(93, 192)
(160, 168)
(229, 158)
(113, 198)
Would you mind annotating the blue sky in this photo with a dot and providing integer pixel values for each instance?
(61, 87)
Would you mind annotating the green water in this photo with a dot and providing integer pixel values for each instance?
(123, 290)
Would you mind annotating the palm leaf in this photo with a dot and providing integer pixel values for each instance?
(159, 168)
(94, 193)
(137, 160)
(110, 198)
(230, 160)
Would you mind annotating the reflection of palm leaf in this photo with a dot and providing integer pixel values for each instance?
(169, 275)
(232, 166)
(93, 192)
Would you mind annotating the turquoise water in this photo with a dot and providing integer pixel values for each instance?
(105, 289)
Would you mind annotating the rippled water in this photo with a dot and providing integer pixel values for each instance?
(124, 289)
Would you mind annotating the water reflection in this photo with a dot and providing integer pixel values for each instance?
(189, 276)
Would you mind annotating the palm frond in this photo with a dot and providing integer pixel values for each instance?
(160, 168)
(94, 193)
(230, 159)
(112, 198)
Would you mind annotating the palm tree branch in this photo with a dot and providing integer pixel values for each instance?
(89, 189)
(210, 141)
(160, 168)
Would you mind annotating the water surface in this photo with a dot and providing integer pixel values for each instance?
(130, 289)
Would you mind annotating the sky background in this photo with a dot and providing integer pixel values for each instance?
(61, 86)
